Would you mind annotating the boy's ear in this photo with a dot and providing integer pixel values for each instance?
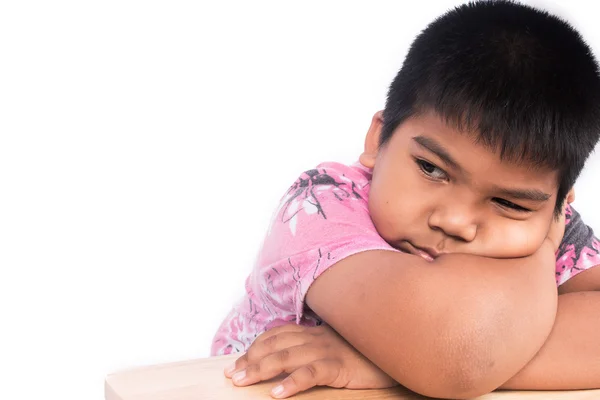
(571, 196)
(369, 155)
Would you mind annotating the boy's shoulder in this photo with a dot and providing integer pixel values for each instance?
(322, 192)
(355, 172)
(327, 182)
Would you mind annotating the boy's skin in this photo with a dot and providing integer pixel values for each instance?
(465, 312)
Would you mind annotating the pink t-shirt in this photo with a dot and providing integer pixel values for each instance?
(322, 219)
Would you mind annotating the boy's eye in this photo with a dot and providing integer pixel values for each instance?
(430, 170)
(511, 205)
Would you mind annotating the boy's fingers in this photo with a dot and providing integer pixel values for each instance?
(268, 342)
(275, 343)
(274, 364)
(239, 364)
(278, 330)
(318, 373)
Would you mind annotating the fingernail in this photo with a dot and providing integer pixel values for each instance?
(277, 390)
(230, 370)
(239, 376)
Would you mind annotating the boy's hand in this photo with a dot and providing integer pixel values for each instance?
(312, 356)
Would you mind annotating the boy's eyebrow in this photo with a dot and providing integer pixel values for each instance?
(524, 194)
(433, 146)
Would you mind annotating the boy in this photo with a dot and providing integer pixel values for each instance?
(448, 239)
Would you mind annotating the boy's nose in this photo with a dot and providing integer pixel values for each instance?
(455, 221)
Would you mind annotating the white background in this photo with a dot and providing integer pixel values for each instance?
(143, 147)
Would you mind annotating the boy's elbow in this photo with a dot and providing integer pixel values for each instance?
(453, 374)
(472, 382)
(473, 360)
(455, 380)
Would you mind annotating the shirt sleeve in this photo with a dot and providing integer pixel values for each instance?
(579, 249)
(322, 219)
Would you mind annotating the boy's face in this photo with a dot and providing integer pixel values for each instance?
(435, 191)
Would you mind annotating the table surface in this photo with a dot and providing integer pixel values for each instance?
(204, 379)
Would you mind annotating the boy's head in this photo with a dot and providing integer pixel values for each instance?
(515, 83)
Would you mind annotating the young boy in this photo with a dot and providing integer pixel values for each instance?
(445, 244)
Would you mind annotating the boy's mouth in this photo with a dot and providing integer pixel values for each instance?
(426, 253)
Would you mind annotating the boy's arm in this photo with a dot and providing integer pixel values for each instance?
(570, 358)
(585, 281)
(450, 328)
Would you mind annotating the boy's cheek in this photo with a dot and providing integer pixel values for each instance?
(515, 242)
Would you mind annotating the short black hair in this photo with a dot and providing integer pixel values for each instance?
(524, 81)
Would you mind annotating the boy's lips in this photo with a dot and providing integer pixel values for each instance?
(426, 253)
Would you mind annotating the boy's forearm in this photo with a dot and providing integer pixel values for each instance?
(570, 358)
(459, 319)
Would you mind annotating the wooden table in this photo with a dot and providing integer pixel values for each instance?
(203, 379)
